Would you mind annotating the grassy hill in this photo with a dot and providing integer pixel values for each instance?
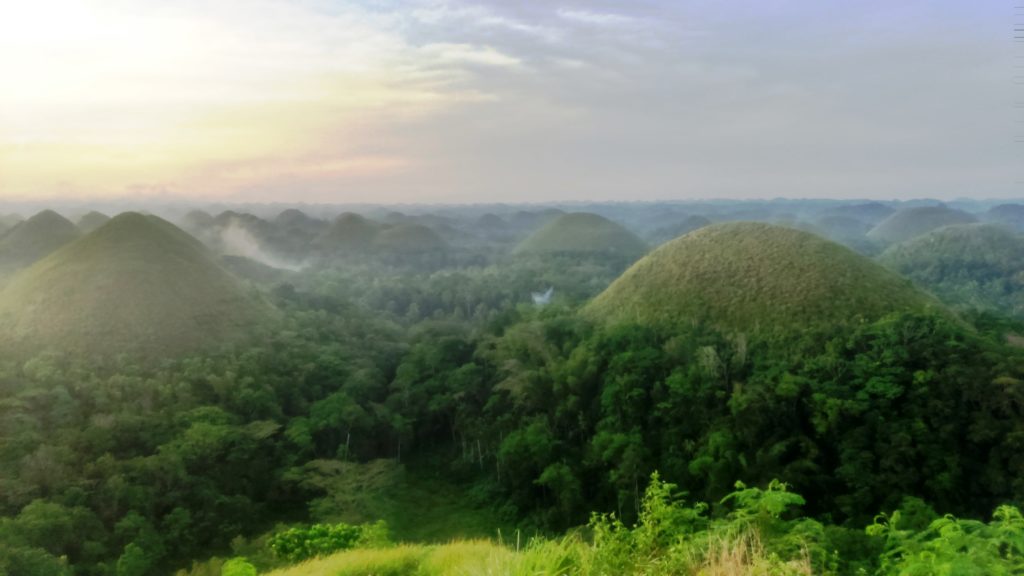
(408, 239)
(749, 276)
(677, 229)
(348, 233)
(137, 285)
(912, 222)
(870, 213)
(970, 265)
(8, 221)
(91, 221)
(583, 233)
(32, 239)
(293, 218)
(1011, 215)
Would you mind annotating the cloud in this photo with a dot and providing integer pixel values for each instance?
(602, 19)
(479, 16)
(447, 53)
(449, 100)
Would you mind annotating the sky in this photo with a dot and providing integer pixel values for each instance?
(512, 101)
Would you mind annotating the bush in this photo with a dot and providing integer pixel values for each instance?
(301, 543)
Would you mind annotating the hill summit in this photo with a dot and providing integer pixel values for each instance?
(137, 285)
(582, 233)
(969, 265)
(91, 221)
(750, 276)
(32, 239)
(912, 222)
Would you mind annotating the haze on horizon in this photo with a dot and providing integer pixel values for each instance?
(449, 101)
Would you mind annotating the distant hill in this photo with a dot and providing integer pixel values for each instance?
(846, 230)
(977, 266)
(32, 239)
(8, 221)
(408, 239)
(196, 219)
(349, 233)
(677, 229)
(92, 221)
(750, 276)
(1011, 215)
(583, 233)
(870, 213)
(491, 222)
(138, 285)
(911, 222)
(293, 218)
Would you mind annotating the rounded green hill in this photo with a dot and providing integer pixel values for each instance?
(971, 265)
(34, 238)
(408, 238)
(583, 233)
(138, 285)
(348, 233)
(1007, 214)
(912, 222)
(751, 276)
(91, 221)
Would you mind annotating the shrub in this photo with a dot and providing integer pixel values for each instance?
(301, 543)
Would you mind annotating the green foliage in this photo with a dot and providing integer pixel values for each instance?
(429, 393)
(300, 543)
(134, 561)
(238, 567)
(950, 545)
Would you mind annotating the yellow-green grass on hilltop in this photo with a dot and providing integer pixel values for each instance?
(583, 233)
(407, 239)
(750, 276)
(137, 286)
(912, 222)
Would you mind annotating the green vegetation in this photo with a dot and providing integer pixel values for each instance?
(408, 239)
(583, 233)
(417, 413)
(750, 276)
(752, 531)
(970, 266)
(913, 222)
(136, 286)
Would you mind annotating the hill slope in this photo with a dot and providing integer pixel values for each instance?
(32, 239)
(972, 265)
(348, 233)
(750, 276)
(91, 221)
(408, 239)
(1011, 215)
(912, 222)
(137, 285)
(581, 232)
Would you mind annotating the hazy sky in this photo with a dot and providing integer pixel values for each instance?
(446, 101)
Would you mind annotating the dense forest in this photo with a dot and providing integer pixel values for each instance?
(233, 394)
